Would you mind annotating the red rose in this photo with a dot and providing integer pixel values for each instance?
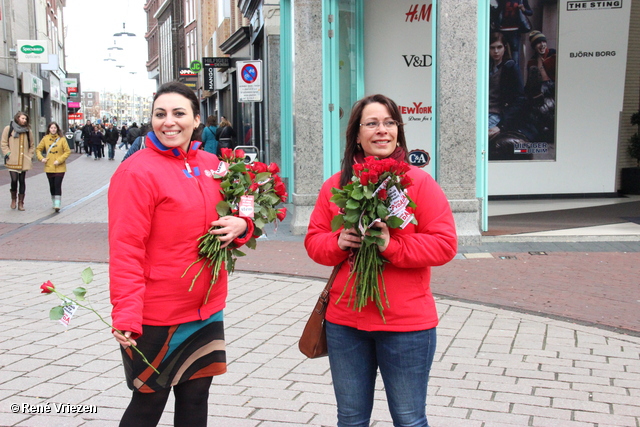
(280, 188)
(226, 153)
(357, 169)
(281, 214)
(258, 167)
(406, 182)
(382, 194)
(254, 187)
(239, 154)
(273, 168)
(47, 287)
(364, 178)
(284, 196)
(251, 175)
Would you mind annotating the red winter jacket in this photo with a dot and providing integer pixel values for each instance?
(411, 253)
(158, 208)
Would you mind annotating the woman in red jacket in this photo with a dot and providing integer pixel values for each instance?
(161, 200)
(360, 342)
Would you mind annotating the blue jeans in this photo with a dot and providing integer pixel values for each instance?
(112, 151)
(404, 359)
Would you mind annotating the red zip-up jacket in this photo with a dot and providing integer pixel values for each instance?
(411, 253)
(161, 200)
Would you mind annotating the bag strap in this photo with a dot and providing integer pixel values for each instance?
(323, 299)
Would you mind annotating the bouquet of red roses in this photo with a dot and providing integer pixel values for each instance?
(377, 192)
(249, 190)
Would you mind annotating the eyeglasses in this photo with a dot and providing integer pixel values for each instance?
(388, 124)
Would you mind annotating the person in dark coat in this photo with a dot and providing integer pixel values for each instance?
(87, 129)
(96, 139)
(112, 139)
(132, 133)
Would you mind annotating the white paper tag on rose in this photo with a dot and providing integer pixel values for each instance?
(246, 207)
(406, 218)
(382, 186)
(398, 201)
(222, 170)
(69, 311)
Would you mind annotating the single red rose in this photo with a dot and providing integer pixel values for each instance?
(382, 194)
(254, 187)
(281, 214)
(357, 169)
(251, 175)
(226, 153)
(273, 168)
(239, 154)
(258, 167)
(280, 188)
(364, 178)
(406, 182)
(284, 196)
(47, 287)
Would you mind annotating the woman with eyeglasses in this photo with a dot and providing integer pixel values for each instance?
(360, 342)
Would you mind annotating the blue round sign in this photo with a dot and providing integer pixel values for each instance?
(249, 73)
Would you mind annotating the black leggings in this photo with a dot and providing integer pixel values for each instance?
(18, 178)
(55, 183)
(191, 407)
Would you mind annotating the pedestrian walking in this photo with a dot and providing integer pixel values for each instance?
(96, 140)
(112, 140)
(123, 137)
(132, 133)
(159, 205)
(53, 150)
(139, 143)
(402, 344)
(77, 138)
(225, 135)
(209, 135)
(18, 148)
(87, 130)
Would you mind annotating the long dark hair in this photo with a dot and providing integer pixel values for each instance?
(59, 132)
(499, 37)
(353, 130)
(180, 89)
(22, 113)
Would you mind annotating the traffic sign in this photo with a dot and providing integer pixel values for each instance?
(249, 81)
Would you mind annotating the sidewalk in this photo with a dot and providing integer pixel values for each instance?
(493, 367)
(524, 338)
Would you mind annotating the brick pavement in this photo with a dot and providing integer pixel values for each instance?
(493, 367)
(526, 355)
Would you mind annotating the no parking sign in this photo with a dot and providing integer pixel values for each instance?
(249, 81)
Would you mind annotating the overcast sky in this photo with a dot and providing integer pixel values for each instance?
(90, 25)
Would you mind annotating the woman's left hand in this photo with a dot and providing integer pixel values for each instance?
(231, 227)
(384, 228)
(56, 163)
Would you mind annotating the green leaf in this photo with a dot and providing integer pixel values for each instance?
(352, 216)
(262, 176)
(251, 244)
(56, 313)
(337, 222)
(394, 222)
(223, 208)
(258, 222)
(352, 204)
(367, 191)
(87, 275)
(238, 167)
(382, 211)
(339, 200)
(238, 253)
(80, 293)
(357, 193)
(374, 232)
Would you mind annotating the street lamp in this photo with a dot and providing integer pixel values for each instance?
(133, 89)
(124, 33)
(114, 47)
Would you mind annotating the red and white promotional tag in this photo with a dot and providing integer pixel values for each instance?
(246, 207)
(69, 311)
(222, 170)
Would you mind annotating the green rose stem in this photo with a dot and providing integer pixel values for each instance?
(65, 298)
(366, 270)
(209, 250)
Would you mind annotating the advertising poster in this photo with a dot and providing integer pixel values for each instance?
(523, 54)
(399, 64)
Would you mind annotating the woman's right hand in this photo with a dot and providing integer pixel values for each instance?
(44, 160)
(348, 239)
(124, 340)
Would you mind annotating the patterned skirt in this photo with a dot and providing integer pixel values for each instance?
(180, 353)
